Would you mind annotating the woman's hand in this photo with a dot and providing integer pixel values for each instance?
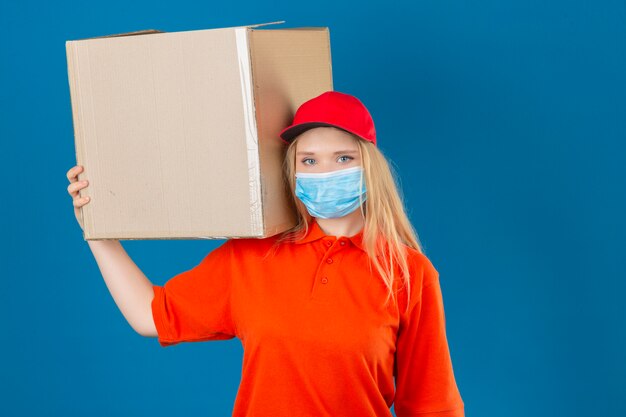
(73, 189)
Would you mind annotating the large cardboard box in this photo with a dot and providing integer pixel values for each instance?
(178, 131)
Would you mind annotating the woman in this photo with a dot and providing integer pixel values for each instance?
(331, 312)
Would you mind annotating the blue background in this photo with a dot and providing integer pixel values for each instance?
(505, 123)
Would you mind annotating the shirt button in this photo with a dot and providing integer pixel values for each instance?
(328, 243)
(342, 243)
(329, 260)
(324, 280)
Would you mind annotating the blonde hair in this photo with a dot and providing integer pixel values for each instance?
(387, 228)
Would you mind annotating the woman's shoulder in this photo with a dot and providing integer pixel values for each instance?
(251, 246)
(422, 274)
(421, 267)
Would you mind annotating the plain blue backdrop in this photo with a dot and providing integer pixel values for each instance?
(505, 122)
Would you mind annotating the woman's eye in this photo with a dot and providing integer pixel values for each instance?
(304, 161)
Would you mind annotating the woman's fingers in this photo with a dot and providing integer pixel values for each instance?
(73, 189)
(76, 186)
(80, 201)
(72, 174)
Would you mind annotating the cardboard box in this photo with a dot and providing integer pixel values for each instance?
(178, 131)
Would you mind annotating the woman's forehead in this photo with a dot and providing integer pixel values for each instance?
(326, 140)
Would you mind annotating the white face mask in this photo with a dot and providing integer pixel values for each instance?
(333, 194)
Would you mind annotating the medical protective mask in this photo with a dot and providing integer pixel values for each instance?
(329, 195)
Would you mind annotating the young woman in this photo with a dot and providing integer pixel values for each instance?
(341, 315)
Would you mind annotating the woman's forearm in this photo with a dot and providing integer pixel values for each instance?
(129, 287)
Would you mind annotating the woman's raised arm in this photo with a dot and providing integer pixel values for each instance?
(130, 288)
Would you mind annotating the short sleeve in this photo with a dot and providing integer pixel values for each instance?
(425, 383)
(195, 305)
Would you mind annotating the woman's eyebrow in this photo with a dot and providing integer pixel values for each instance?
(338, 152)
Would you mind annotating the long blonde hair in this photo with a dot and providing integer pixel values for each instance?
(387, 227)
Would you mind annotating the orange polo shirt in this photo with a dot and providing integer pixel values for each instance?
(316, 337)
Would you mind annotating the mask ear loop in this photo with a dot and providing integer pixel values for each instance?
(361, 182)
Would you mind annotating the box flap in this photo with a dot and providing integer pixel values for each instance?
(137, 32)
(150, 31)
(263, 24)
(309, 28)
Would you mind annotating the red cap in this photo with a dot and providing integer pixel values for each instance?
(332, 108)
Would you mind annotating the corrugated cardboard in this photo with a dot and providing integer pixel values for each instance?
(178, 131)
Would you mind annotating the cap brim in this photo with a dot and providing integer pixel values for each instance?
(290, 133)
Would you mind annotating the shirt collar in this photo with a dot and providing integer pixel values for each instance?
(316, 232)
